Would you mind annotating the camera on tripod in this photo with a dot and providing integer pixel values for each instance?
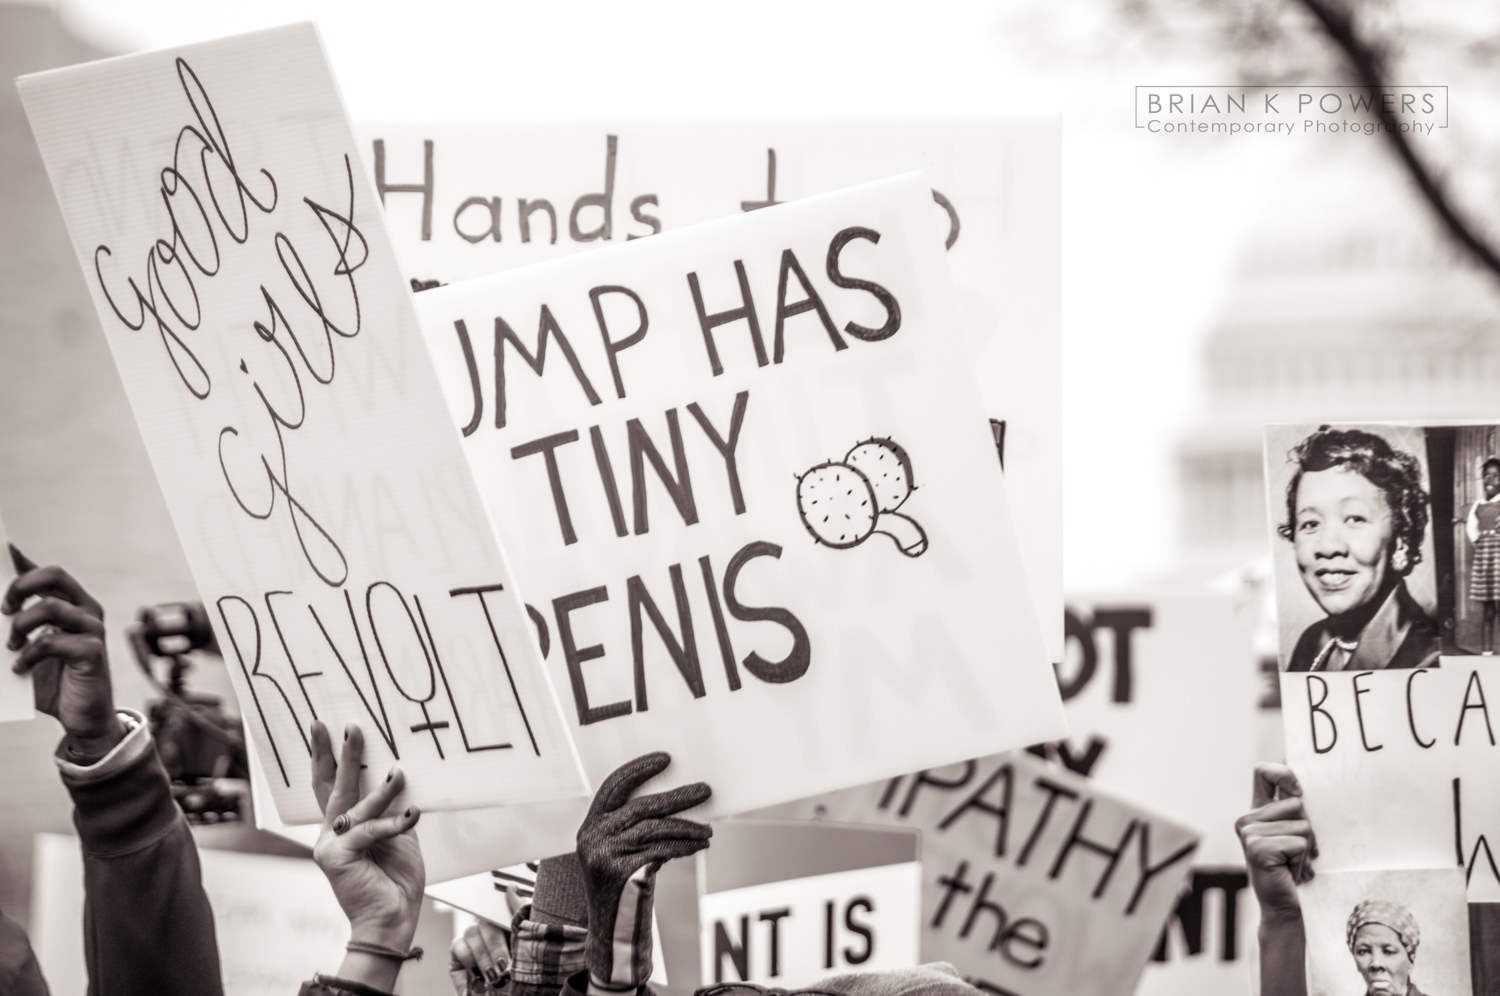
(202, 749)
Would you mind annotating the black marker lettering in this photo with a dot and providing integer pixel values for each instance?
(885, 297)
(795, 664)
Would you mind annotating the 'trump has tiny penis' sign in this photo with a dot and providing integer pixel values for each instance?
(752, 500)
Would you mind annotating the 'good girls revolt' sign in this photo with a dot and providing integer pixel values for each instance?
(744, 477)
(237, 258)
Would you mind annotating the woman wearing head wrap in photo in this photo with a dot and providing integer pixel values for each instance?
(1356, 513)
(1383, 938)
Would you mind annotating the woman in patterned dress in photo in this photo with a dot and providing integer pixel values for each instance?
(1484, 534)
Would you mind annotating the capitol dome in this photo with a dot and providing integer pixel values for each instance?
(1349, 303)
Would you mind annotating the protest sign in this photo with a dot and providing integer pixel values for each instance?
(1385, 931)
(1368, 531)
(240, 268)
(754, 498)
(1397, 770)
(464, 199)
(1159, 684)
(16, 700)
(787, 904)
(1035, 880)
(1437, 578)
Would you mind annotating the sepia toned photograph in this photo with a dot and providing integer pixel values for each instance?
(1351, 526)
(1387, 933)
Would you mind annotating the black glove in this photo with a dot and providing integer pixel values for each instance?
(622, 843)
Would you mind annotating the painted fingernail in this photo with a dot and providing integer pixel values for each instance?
(408, 812)
(346, 733)
(390, 774)
(493, 976)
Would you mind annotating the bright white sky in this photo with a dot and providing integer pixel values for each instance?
(1151, 224)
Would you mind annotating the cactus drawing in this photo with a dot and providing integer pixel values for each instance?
(845, 502)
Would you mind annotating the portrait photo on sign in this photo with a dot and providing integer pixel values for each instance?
(1350, 509)
(1387, 933)
(1464, 464)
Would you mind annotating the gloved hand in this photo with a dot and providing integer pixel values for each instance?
(622, 843)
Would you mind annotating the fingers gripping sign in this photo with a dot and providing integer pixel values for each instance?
(58, 629)
(370, 856)
(621, 845)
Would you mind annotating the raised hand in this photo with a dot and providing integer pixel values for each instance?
(374, 863)
(622, 843)
(60, 636)
(1278, 840)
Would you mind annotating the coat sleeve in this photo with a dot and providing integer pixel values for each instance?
(147, 924)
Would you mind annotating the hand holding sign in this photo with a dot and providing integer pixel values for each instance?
(59, 630)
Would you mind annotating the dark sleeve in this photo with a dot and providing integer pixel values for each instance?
(147, 926)
(19, 973)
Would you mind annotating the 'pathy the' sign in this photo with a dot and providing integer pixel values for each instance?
(743, 473)
(1035, 881)
(238, 261)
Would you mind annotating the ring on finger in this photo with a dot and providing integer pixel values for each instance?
(342, 823)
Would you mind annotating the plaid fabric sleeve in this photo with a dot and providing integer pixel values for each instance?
(543, 955)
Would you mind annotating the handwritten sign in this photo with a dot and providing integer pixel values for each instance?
(16, 701)
(794, 932)
(744, 477)
(1396, 767)
(1035, 881)
(1160, 687)
(466, 199)
(237, 258)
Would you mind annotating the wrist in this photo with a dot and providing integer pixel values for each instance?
(370, 970)
(1278, 922)
(86, 746)
(396, 935)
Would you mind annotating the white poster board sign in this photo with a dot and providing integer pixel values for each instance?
(754, 491)
(1036, 882)
(794, 932)
(464, 199)
(239, 264)
(1160, 687)
(1397, 768)
(16, 701)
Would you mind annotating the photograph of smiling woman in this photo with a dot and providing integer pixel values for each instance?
(1356, 515)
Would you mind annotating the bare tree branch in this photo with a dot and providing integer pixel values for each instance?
(1368, 63)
